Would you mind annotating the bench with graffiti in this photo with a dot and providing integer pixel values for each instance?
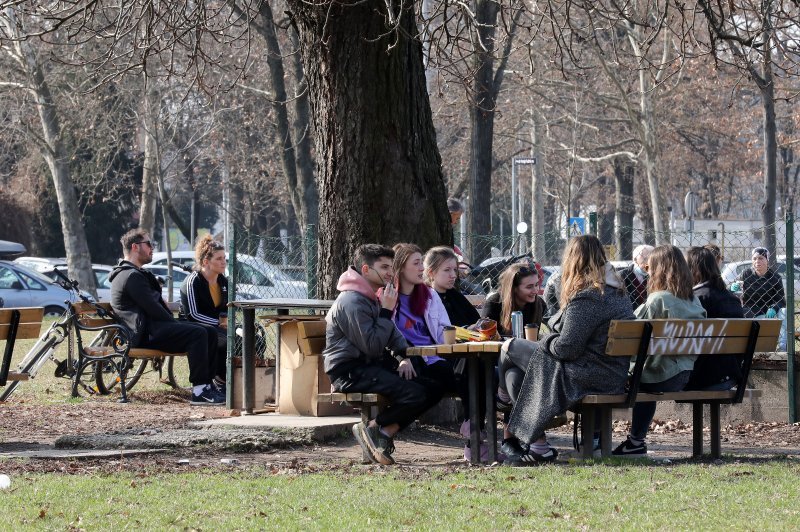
(640, 339)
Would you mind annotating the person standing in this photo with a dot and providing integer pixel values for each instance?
(761, 287)
(136, 299)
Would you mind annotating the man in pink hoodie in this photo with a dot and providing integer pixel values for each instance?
(364, 351)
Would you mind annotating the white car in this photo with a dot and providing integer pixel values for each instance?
(45, 266)
(732, 270)
(255, 278)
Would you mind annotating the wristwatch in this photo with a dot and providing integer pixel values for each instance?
(399, 355)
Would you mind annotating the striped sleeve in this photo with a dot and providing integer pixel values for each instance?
(192, 294)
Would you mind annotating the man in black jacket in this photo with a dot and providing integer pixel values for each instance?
(136, 299)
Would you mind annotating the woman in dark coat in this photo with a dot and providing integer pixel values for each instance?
(724, 371)
(569, 363)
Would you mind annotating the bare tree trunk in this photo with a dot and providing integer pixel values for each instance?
(152, 165)
(379, 168)
(537, 187)
(767, 87)
(625, 207)
(298, 190)
(79, 262)
(650, 158)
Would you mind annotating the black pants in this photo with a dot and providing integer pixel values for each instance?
(184, 336)
(407, 399)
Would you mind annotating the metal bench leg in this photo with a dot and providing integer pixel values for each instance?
(588, 415)
(697, 430)
(715, 430)
(122, 371)
(605, 431)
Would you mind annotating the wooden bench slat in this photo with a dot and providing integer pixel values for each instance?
(15, 376)
(339, 397)
(136, 352)
(25, 331)
(26, 314)
(693, 328)
(689, 346)
(670, 396)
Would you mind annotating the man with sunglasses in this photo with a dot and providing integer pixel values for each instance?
(364, 352)
(136, 299)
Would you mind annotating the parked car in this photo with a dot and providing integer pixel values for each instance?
(46, 267)
(732, 270)
(255, 278)
(23, 287)
(9, 250)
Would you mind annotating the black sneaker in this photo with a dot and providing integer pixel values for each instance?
(628, 448)
(512, 447)
(378, 447)
(221, 389)
(531, 458)
(208, 397)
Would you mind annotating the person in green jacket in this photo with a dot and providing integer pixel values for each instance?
(670, 295)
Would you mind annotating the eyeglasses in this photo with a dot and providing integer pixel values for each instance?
(148, 242)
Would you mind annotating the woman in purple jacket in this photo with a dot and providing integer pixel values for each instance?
(421, 318)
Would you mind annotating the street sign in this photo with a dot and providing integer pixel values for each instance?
(529, 160)
(577, 227)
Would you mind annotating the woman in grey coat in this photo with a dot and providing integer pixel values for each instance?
(570, 363)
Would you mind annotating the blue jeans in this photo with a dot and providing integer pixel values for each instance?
(643, 412)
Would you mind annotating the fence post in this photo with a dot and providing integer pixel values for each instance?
(790, 384)
(311, 260)
(231, 331)
(593, 223)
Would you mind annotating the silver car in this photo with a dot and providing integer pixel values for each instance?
(23, 287)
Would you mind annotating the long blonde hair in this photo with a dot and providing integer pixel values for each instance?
(583, 266)
(511, 278)
(669, 272)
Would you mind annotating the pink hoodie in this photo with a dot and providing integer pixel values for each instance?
(353, 281)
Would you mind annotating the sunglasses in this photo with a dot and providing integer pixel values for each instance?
(148, 242)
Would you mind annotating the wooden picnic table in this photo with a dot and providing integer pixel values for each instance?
(282, 306)
(475, 353)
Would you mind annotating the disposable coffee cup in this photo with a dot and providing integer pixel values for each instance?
(449, 334)
(531, 332)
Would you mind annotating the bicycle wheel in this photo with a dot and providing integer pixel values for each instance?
(107, 380)
(178, 373)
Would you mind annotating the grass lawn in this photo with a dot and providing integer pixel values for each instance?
(600, 496)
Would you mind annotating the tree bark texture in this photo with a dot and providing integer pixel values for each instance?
(767, 86)
(79, 261)
(379, 169)
(538, 242)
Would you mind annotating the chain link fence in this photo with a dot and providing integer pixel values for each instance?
(284, 267)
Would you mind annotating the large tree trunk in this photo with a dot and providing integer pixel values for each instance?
(379, 168)
(481, 114)
(79, 261)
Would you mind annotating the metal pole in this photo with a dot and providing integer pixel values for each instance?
(790, 384)
(231, 332)
(593, 223)
(513, 199)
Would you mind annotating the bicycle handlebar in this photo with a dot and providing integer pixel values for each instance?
(72, 286)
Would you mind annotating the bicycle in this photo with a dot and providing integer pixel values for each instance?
(93, 374)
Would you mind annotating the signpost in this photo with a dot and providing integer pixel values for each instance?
(577, 227)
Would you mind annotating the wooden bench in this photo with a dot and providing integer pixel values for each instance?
(709, 337)
(113, 346)
(17, 324)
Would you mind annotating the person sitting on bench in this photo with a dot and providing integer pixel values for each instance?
(136, 299)
(364, 352)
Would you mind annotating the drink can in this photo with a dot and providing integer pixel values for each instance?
(517, 330)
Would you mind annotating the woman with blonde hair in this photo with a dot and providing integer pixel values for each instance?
(669, 295)
(569, 363)
(441, 271)
(204, 299)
